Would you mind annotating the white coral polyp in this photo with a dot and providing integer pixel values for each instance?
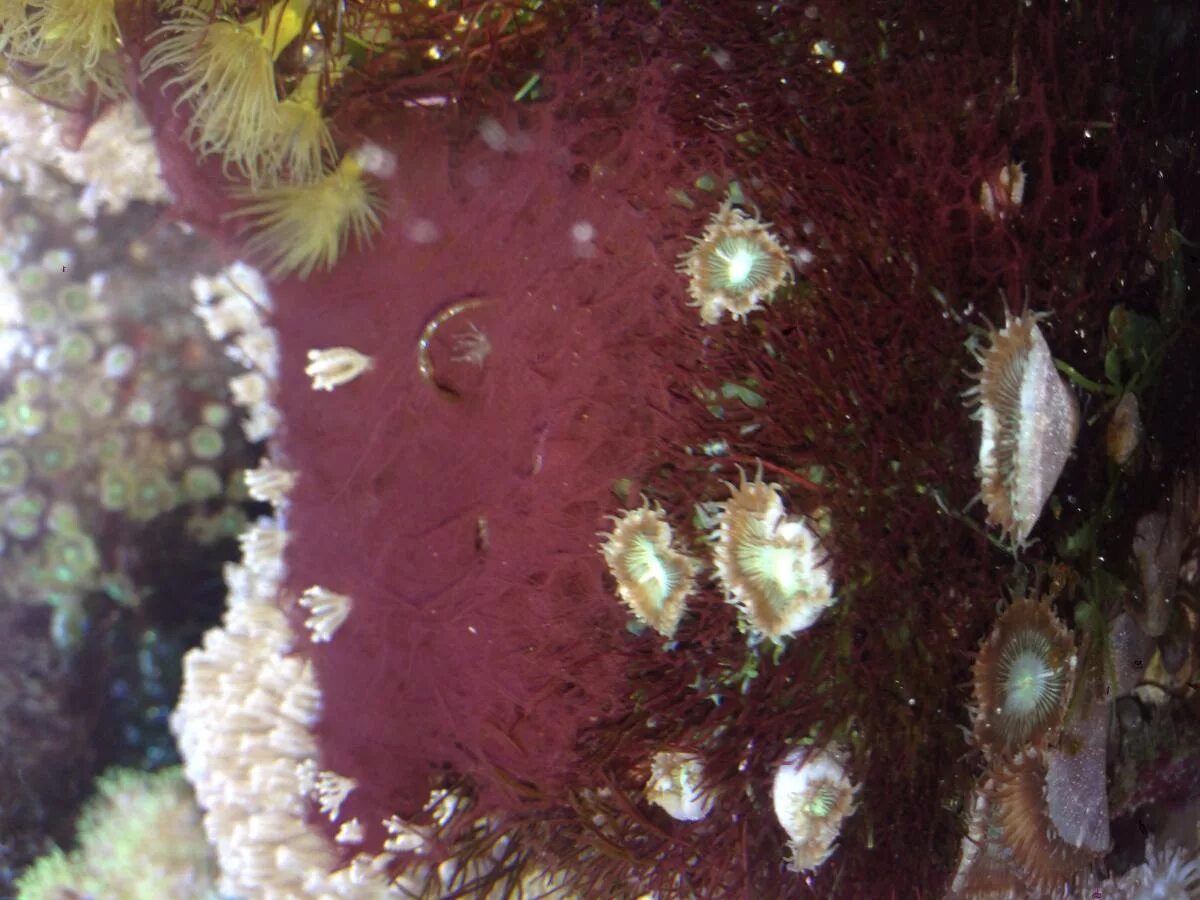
(813, 795)
(332, 367)
(329, 610)
(116, 164)
(1169, 873)
(675, 786)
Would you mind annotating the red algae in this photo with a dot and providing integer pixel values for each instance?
(460, 511)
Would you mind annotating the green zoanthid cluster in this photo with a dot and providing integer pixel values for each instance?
(114, 410)
(140, 837)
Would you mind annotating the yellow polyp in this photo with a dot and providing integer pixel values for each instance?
(282, 24)
(61, 48)
(299, 227)
(85, 29)
(303, 145)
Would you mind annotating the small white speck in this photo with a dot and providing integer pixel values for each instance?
(803, 258)
(375, 160)
(422, 231)
(493, 134)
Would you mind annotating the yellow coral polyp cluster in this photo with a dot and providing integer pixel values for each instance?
(139, 838)
(771, 565)
(300, 207)
(227, 73)
(736, 265)
(653, 578)
(77, 31)
(67, 45)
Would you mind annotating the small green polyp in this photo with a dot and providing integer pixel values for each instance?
(75, 300)
(115, 490)
(72, 559)
(29, 419)
(201, 483)
(40, 314)
(14, 470)
(76, 349)
(206, 442)
(216, 415)
(23, 515)
(53, 456)
(152, 494)
(32, 280)
(63, 518)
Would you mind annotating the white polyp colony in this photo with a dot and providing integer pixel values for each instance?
(334, 366)
(674, 785)
(116, 164)
(244, 725)
(233, 304)
(813, 795)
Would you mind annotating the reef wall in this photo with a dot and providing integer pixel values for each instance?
(444, 658)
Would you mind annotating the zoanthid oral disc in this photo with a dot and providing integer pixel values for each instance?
(653, 578)
(1024, 674)
(736, 265)
(772, 566)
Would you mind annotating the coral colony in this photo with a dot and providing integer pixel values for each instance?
(611, 540)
